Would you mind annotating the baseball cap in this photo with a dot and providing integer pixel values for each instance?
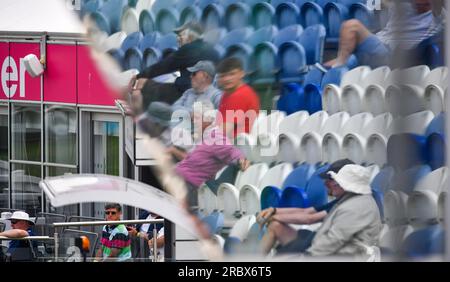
(335, 167)
(206, 66)
(192, 25)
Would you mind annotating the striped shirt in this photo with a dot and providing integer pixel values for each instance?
(116, 236)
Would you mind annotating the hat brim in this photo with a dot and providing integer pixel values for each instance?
(29, 221)
(325, 175)
(349, 186)
(192, 69)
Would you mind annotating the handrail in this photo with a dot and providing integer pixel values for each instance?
(27, 238)
(93, 223)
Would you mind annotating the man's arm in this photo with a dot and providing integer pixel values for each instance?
(14, 233)
(300, 217)
(171, 63)
(177, 153)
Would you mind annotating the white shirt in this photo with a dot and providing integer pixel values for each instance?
(160, 250)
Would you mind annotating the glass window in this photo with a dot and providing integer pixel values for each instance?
(67, 210)
(4, 166)
(26, 193)
(106, 147)
(61, 135)
(26, 133)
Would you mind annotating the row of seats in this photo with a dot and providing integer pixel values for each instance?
(400, 91)
(364, 90)
(164, 15)
(268, 54)
(320, 137)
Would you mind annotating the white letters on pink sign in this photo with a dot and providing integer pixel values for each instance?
(12, 76)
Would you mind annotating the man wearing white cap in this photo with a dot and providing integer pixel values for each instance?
(21, 224)
(352, 222)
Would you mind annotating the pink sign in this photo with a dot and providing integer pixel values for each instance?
(93, 89)
(4, 70)
(20, 84)
(60, 77)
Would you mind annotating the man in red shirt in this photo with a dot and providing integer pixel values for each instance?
(239, 106)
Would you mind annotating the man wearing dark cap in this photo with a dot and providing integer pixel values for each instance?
(202, 76)
(192, 49)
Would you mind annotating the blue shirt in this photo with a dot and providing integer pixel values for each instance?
(189, 97)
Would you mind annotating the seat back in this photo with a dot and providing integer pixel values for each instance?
(251, 175)
(212, 16)
(289, 33)
(275, 176)
(313, 40)
(262, 14)
(237, 15)
(292, 122)
(263, 34)
(377, 76)
(300, 176)
(286, 14)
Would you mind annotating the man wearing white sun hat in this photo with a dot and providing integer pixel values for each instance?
(21, 227)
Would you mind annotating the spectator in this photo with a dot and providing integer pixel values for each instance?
(213, 152)
(354, 220)
(157, 123)
(21, 227)
(145, 230)
(240, 105)
(159, 245)
(115, 242)
(192, 49)
(202, 76)
(409, 23)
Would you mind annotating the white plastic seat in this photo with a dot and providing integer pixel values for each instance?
(228, 194)
(114, 41)
(311, 143)
(332, 141)
(395, 207)
(263, 125)
(416, 123)
(405, 94)
(394, 237)
(331, 96)
(289, 140)
(241, 228)
(250, 194)
(374, 170)
(353, 94)
(355, 145)
(437, 83)
(129, 21)
(441, 205)
(268, 129)
(207, 200)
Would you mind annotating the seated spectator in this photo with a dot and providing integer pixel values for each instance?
(213, 152)
(353, 221)
(156, 122)
(192, 49)
(19, 250)
(202, 76)
(143, 231)
(240, 105)
(408, 25)
(115, 241)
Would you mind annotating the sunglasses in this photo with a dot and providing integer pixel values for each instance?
(110, 212)
(14, 221)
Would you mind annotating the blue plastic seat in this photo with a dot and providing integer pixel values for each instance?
(294, 197)
(313, 40)
(101, 21)
(275, 3)
(406, 150)
(424, 242)
(90, 7)
(287, 14)
(378, 196)
(236, 36)
(151, 56)
(365, 15)
(270, 197)
(133, 59)
(316, 190)
(299, 176)
(132, 40)
(406, 180)
(334, 76)
(190, 13)
(314, 76)
(237, 15)
(291, 62)
(435, 148)
(183, 4)
(118, 55)
(149, 40)
(264, 34)
(113, 10)
(264, 63)
(231, 245)
(215, 36)
(241, 51)
(262, 15)
(310, 14)
(437, 125)
(214, 221)
(291, 98)
(159, 5)
(147, 22)
(202, 4)
(168, 41)
(431, 51)
(383, 179)
(167, 20)
(212, 16)
(334, 15)
(290, 33)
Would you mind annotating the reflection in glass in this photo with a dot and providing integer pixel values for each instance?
(61, 138)
(26, 133)
(26, 194)
(68, 210)
(4, 168)
(106, 147)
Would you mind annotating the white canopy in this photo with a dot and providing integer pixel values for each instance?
(52, 16)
